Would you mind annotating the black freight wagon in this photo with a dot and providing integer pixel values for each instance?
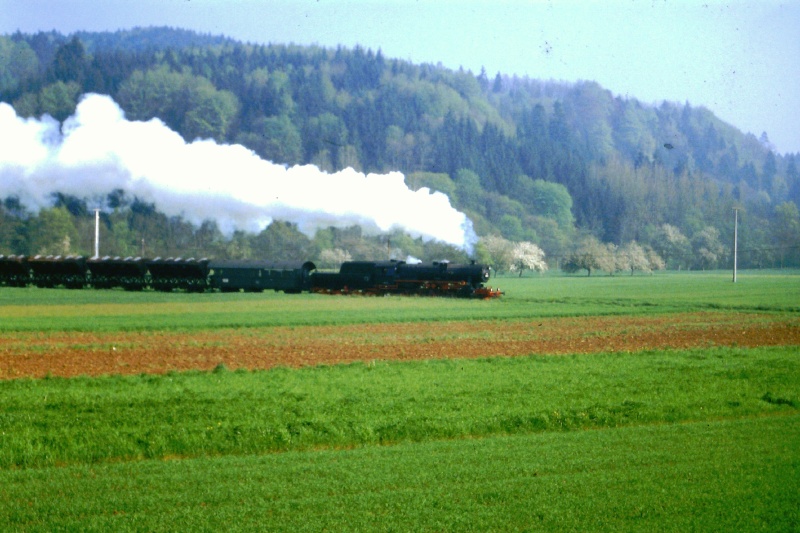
(54, 271)
(14, 271)
(129, 273)
(176, 273)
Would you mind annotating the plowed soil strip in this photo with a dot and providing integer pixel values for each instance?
(73, 354)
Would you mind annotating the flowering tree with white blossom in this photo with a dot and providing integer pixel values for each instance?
(527, 256)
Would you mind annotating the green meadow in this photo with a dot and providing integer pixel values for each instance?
(659, 440)
(34, 309)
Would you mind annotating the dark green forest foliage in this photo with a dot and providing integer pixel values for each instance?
(541, 161)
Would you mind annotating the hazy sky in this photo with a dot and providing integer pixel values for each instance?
(741, 59)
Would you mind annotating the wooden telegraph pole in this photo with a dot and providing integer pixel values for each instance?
(97, 233)
(735, 240)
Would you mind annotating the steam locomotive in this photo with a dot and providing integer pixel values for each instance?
(200, 275)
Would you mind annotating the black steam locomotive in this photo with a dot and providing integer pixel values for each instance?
(199, 275)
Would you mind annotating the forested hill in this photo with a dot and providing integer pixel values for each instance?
(529, 160)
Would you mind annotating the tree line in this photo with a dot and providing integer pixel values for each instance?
(545, 162)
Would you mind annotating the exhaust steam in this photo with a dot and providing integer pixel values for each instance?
(97, 151)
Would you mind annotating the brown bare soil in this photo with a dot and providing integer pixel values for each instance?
(80, 353)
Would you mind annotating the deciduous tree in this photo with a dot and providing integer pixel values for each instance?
(51, 232)
(673, 245)
(528, 256)
(500, 252)
(590, 255)
(333, 258)
(707, 248)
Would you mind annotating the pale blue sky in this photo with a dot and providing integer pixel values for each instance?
(741, 59)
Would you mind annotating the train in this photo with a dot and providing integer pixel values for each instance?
(373, 278)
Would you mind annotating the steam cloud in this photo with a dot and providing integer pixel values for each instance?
(97, 151)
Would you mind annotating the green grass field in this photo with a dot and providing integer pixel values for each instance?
(667, 440)
(537, 296)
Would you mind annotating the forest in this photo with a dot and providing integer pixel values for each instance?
(591, 179)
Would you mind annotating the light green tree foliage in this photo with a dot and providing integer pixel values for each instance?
(325, 238)
(272, 90)
(350, 239)
(58, 100)
(149, 94)
(401, 245)
(591, 255)
(499, 252)
(511, 227)
(10, 226)
(282, 241)
(673, 246)
(400, 148)
(238, 246)
(434, 181)
(210, 113)
(119, 240)
(27, 105)
(52, 232)
(481, 254)
(186, 103)
(550, 235)
(552, 200)
(546, 201)
(333, 258)
(275, 139)
(633, 134)
(442, 251)
(756, 230)
(208, 240)
(17, 62)
(707, 248)
(591, 107)
(506, 214)
(787, 230)
(433, 99)
(469, 191)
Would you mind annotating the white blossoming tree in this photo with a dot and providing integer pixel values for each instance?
(504, 255)
(634, 257)
(527, 256)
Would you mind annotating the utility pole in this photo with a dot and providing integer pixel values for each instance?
(735, 240)
(96, 233)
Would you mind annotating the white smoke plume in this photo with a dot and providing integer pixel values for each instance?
(97, 151)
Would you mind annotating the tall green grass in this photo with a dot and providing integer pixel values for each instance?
(729, 475)
(89, 420)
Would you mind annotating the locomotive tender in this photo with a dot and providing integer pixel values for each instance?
(199, 275)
